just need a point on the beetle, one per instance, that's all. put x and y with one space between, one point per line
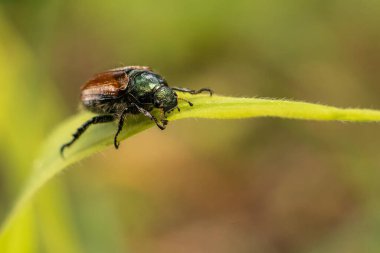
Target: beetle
115 93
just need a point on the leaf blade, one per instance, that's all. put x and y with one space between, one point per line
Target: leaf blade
216 107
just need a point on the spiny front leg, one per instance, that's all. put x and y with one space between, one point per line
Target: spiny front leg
150 116
193 92
83 128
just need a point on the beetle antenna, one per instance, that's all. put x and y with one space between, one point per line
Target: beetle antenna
191 104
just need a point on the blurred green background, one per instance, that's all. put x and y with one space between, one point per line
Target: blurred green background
260 185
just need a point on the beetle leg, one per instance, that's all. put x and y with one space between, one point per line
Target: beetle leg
149 115
193 92
83 128
191 104
165 122
116 143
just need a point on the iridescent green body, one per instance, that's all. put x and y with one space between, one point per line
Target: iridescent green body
151 90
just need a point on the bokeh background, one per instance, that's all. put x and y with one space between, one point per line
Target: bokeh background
258 185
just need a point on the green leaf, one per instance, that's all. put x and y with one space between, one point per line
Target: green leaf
100 136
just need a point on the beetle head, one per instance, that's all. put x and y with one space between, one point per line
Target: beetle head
165 98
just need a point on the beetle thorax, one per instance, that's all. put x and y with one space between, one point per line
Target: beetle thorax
143 86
